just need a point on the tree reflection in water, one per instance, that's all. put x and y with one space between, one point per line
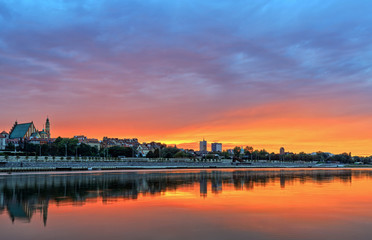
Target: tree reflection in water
23 195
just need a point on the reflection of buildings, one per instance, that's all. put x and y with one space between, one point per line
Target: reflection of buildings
216 182
282 180
21 196
203 184
23 211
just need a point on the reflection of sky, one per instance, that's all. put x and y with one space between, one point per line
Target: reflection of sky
266 72
326 204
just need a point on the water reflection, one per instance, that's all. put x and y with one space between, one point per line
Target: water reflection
21 196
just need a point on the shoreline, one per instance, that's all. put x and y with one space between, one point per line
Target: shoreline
33 166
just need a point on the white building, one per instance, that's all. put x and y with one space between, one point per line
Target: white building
216 147
143 150
3 137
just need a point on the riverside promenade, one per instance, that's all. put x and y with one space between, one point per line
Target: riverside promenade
23 164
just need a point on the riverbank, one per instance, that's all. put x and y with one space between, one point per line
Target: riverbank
21 166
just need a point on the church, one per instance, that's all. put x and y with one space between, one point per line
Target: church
22 131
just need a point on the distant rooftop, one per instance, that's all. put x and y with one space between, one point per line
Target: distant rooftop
20 130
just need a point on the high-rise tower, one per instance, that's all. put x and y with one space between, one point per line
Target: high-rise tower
203 146
47 127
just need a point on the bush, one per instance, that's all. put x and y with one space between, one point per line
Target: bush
180 154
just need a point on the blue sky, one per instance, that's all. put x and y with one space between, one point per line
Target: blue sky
183 59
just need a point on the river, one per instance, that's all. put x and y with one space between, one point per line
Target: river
188 204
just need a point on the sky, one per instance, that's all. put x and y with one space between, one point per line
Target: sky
268 74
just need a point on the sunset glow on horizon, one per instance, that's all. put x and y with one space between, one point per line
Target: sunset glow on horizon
268 74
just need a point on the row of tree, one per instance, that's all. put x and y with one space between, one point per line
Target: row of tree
71 147
60 147
250 154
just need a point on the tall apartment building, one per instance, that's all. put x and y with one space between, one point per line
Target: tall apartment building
203 146
216 147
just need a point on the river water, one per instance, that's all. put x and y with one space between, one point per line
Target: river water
188 204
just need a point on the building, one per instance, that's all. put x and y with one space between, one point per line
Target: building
81 138
88 141
203 146
282 151
47 127
22 131
143 150
28 131
3 140
126 142
216 147
93 142
39 141
5 134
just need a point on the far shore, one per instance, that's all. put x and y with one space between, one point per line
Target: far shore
13 164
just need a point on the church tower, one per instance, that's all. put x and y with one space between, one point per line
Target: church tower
47 127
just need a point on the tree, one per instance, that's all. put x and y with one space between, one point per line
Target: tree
60 145
263 154
9 147
225 154
256 154
210 156
31 148
45 149
85 150
237 151
169 152
157 153
343 158
180 154
150 154
248 150
117 151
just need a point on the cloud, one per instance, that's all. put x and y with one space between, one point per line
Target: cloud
182 63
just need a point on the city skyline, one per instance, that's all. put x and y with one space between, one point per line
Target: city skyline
27 131
264 74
